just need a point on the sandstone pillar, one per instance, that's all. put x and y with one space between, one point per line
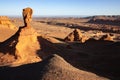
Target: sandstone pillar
27 16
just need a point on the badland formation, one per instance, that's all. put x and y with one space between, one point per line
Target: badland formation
59 48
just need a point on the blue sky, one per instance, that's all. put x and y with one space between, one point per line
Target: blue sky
61 7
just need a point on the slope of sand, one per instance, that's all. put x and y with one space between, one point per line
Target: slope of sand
64 71
48 69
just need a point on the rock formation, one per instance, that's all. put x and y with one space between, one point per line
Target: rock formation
109 20
107 37
76 35
6 23
24 43
27 44
27 16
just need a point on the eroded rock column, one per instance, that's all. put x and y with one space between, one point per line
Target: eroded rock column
27 16
27 45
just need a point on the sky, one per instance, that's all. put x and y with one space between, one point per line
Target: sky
61 7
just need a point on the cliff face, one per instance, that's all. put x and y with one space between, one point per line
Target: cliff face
108 20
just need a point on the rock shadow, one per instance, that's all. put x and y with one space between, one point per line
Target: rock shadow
8 46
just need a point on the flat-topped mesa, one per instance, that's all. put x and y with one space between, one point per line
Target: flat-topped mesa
27 16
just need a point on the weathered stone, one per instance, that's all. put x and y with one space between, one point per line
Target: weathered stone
27 16
6 23
107 37
76 35
24 43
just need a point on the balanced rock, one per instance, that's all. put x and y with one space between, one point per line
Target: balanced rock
24 43
27 45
